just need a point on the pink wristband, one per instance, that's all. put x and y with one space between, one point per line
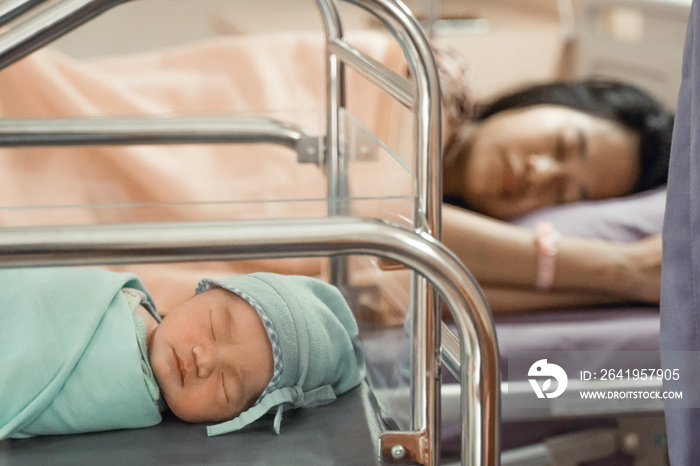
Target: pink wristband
547 248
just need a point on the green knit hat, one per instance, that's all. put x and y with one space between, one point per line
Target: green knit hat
314 341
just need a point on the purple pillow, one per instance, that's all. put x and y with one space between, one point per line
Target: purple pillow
621 219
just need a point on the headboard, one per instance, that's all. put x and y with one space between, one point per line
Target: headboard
640 41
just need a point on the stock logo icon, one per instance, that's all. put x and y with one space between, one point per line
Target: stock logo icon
542 369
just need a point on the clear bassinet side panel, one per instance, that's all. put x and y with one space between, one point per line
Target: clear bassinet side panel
87 182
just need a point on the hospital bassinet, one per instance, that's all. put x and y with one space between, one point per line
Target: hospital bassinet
351 430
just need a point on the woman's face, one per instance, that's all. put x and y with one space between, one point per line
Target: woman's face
212 357
525 159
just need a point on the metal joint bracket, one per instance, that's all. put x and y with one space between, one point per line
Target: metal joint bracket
405 447
310 150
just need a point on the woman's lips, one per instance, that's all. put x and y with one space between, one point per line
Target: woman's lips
180 367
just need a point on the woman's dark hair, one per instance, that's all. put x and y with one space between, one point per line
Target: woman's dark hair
620 102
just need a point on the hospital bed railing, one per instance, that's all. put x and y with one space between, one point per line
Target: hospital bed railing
472 353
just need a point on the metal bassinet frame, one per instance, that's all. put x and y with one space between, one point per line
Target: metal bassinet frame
31 24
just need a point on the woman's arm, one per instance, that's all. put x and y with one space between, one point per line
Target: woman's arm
520 300
501 255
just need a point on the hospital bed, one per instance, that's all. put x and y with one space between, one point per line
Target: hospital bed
639 41
350 431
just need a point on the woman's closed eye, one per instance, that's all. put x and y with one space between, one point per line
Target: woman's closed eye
570 142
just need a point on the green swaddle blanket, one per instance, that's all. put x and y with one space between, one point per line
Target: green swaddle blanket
71 360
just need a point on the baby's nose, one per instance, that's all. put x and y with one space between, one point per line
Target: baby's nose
204 361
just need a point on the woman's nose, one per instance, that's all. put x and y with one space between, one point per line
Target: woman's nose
204 359
543 169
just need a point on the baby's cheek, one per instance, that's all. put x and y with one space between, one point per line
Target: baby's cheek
186 407
199 401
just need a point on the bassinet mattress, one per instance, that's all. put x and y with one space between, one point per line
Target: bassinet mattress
343 432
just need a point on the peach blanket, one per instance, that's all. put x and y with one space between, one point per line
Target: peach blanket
277 73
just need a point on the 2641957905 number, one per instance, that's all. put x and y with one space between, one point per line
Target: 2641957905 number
639 374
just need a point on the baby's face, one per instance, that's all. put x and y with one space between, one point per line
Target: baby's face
212 357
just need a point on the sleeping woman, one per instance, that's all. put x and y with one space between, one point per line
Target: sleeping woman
547 145
542 146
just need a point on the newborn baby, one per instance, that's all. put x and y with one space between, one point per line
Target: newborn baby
249 343
87 348
211 356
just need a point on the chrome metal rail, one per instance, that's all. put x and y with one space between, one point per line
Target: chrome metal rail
480 434
11 9
207 241
170 130
44 22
